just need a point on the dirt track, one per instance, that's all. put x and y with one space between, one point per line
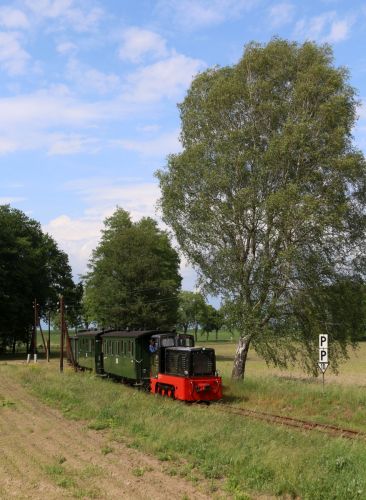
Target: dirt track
43 455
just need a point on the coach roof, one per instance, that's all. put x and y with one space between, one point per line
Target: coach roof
130 333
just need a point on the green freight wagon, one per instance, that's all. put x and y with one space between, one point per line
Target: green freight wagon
89 353
126 354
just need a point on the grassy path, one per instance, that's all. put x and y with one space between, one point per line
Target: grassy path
44 455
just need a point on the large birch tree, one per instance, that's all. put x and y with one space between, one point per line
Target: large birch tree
267 199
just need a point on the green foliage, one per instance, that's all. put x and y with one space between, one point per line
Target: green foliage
31 266
267 198
133 279
211 319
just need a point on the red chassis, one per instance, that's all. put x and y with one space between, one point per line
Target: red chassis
187 388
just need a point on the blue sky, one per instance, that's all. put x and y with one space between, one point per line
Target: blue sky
88 94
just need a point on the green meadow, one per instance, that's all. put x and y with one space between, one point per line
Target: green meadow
230 455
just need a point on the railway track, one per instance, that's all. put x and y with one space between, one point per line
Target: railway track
332 430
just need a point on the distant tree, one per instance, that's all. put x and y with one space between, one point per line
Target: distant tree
31 266
133 278
211 319
268 197
218 321
190 307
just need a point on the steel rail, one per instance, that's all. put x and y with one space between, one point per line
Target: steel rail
330 429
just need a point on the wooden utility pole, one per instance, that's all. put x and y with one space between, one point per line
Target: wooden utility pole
49 334
62 328
70 354
35 351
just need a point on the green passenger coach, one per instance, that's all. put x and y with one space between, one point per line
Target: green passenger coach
126 355
88 349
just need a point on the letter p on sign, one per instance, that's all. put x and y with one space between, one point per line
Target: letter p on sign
323 348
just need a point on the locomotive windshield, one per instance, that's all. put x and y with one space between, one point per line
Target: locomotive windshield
203 362
184 340
167 342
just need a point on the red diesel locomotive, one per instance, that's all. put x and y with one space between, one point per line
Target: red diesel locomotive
181 371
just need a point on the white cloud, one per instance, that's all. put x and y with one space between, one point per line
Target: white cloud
47 108
52 120
339 31
326 28
148 128
66 48
13 58
12 18
138 199
64 228
79 236
281 14
193 14
90 79
49 8
68 145
70 13
9 200
159 146
138 43
7 146
163 79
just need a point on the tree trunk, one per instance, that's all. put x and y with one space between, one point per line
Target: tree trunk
217 334
195 331
240 358
185 327
207 335
13 346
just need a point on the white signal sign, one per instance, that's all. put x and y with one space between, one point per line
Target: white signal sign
323 348
323 353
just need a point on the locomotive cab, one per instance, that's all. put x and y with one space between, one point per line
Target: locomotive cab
164 340
161 342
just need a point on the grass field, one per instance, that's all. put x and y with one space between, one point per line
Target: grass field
241 457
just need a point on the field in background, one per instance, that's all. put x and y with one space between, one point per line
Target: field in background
352 372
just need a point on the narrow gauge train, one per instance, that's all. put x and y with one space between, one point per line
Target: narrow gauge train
175 368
